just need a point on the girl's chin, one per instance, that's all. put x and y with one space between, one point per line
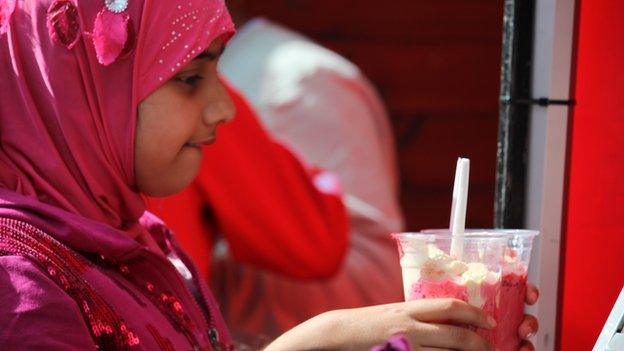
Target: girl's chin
171 182
165 189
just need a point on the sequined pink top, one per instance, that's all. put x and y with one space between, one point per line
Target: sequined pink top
55 297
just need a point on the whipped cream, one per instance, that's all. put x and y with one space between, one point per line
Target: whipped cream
429 263
476 275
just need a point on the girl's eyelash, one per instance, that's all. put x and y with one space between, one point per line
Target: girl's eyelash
190 80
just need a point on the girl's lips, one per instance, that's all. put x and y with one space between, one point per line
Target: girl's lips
198 144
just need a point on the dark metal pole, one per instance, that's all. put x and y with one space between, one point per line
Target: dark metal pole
513 127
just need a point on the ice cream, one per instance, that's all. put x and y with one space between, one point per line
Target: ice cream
429 272
440 274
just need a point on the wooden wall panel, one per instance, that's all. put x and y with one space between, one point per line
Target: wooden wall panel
437 65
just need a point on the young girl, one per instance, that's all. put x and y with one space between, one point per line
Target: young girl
102 101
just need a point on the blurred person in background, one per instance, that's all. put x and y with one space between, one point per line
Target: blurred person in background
320 105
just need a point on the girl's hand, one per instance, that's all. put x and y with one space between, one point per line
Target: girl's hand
420 321
529 326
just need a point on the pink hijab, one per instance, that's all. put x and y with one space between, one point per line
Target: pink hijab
72 73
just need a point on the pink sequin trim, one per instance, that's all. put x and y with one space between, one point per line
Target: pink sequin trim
67 268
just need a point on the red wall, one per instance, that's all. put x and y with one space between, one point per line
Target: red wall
594 239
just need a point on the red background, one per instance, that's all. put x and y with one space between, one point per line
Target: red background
437 66
594 239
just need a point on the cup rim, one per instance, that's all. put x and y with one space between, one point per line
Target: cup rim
469 233
488 231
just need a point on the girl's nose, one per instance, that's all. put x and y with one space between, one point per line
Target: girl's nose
221 107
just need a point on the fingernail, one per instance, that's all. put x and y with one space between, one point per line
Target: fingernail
534 295
491 321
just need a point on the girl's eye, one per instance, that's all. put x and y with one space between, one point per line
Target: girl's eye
190 80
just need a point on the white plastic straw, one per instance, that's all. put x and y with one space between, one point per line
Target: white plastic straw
458 209
455 189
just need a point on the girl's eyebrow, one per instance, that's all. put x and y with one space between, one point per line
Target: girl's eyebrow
208 55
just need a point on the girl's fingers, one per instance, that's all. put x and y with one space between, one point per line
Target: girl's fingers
532 294
442 336
451 310
528 327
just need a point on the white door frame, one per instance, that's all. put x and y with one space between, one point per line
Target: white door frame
552 67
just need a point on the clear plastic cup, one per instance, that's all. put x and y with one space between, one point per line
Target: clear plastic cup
491 274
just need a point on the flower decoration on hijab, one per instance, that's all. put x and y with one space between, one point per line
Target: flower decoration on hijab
63 23
113 34
116 6
6 10
113 31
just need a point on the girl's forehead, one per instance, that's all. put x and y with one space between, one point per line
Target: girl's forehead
177 34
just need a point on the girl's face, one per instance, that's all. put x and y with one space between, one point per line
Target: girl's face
176 121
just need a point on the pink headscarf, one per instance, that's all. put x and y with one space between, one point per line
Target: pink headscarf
72 73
